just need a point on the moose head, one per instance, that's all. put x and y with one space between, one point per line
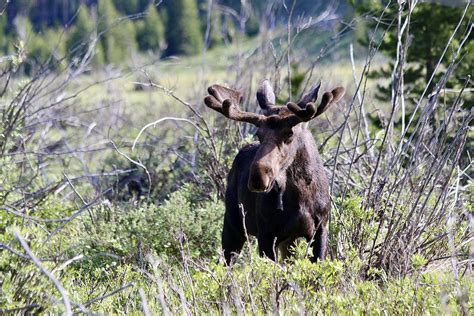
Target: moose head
279 128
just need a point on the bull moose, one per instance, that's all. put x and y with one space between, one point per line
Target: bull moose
277 189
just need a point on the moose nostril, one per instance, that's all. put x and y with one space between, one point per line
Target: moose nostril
260 178
266 170
255 179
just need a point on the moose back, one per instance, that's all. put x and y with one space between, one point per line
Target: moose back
277 189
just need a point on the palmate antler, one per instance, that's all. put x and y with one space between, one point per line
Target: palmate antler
309 111
226 101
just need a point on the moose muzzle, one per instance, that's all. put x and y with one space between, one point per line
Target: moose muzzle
260 178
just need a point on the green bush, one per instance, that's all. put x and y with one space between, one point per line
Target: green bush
164 229
253 285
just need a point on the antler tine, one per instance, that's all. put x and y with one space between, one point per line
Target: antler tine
212 103
224 101
300 114
310 111
232 111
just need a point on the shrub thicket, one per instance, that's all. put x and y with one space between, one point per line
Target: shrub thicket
123 249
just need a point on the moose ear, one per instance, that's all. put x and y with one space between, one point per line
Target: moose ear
311 96
329 98
265 95
221 93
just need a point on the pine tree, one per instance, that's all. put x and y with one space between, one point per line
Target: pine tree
3 34
45 49
252 27
150 31
117 36
183 29
131 6
215 36
78 39
431 26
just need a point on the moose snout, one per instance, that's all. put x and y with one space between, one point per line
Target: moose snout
260 178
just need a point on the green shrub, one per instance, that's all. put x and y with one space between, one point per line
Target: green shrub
170 251
179 222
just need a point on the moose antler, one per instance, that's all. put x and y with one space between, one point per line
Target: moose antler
300 114
309 111
329 98
225 101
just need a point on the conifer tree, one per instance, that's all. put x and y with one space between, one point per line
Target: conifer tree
132 6
3 33
252 27
117 35
150 31
183 28
215 36
78 39
431 26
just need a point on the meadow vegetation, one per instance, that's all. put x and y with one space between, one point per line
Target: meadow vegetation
113 171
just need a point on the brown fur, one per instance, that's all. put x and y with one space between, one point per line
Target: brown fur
276 187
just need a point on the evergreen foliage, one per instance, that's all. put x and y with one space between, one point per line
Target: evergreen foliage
431 26
117 35
3 33
45 50
150 31
78 40
52 13
120 31
183 30
252 27
132 6
215 36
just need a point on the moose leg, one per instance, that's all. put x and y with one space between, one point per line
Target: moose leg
233 240
266 246
320 242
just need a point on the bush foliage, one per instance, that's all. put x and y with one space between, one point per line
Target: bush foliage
137 247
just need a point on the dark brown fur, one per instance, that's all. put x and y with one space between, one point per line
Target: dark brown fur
277 187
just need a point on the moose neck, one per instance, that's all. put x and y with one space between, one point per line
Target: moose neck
301 172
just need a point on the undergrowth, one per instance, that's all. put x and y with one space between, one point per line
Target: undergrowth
118 259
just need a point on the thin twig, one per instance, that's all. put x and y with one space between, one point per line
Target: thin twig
57 284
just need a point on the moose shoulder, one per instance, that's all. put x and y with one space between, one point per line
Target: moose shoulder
278 186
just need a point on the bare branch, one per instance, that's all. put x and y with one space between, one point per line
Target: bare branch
51 277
